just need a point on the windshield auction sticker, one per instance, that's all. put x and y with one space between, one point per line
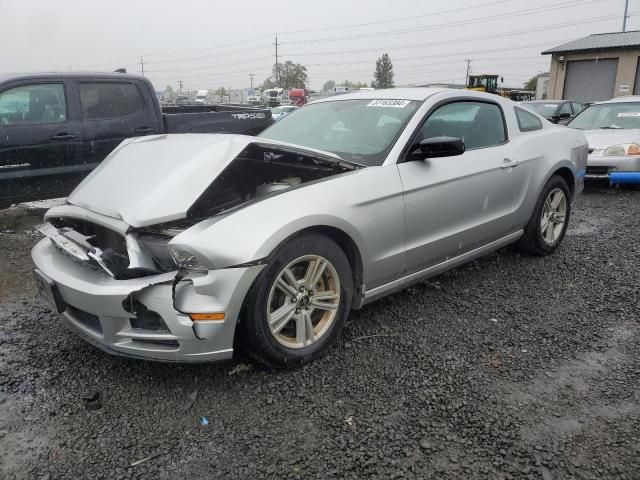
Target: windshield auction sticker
389 103
628 114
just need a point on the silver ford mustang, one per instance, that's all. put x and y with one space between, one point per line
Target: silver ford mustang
184 247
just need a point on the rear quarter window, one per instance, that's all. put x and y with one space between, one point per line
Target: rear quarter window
527 122
108 100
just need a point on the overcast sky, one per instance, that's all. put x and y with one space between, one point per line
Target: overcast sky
208 44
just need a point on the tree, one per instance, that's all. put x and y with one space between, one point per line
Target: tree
354 85
532 83
329 86
268 83
169 94
383 76
290 75
221 91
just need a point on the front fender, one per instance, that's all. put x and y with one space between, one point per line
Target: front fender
367 205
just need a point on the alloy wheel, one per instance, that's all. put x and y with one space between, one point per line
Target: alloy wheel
554 215
303 301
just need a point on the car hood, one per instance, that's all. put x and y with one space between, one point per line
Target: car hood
600 139
156 179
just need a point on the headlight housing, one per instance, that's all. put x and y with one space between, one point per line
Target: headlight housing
186 260
622 150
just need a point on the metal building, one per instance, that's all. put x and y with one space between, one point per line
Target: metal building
597 67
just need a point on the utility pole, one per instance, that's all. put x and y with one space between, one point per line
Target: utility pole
626 11
180 85
276 44
251 75
142 65
466 78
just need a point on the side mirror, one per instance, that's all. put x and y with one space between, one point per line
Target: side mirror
564 115
437 147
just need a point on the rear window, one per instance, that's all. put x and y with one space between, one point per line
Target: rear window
107 100
527 122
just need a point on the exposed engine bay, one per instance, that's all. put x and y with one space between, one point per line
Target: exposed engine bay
261 170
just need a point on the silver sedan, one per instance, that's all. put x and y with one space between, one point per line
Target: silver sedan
612 129
184 247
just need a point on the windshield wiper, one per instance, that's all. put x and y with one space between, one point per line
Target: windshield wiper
610 128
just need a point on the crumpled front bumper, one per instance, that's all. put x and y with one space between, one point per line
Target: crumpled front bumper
95 308
615 169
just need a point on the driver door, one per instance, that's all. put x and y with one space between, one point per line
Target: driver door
456 204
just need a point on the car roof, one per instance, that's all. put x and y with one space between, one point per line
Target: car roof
414 93
417 93
628 98
59 75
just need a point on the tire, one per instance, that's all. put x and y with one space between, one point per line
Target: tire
539 241
280 330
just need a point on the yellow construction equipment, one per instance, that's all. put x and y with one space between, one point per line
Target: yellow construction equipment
484 83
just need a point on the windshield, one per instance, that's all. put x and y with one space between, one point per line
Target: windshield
361 131
608 115
542 109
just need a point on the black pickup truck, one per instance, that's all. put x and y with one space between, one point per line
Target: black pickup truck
55 128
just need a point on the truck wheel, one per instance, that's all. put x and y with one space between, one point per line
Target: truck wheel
299 303
550 219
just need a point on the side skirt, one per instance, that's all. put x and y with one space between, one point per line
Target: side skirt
399 284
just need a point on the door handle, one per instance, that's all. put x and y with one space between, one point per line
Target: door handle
508 163
145 129
62 136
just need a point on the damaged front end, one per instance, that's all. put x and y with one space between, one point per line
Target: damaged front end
125 287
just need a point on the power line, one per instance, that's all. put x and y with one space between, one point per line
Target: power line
217 47
462 40
470 39
508 15
400 19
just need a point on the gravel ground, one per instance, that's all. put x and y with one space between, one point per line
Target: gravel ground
509 367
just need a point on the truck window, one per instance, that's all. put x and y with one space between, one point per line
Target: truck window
33 104
107 100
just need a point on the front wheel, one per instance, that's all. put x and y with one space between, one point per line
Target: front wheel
548 223
299 303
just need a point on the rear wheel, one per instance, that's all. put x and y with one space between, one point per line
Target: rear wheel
548 223
299 303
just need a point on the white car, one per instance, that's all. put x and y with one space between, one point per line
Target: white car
255 98
612 129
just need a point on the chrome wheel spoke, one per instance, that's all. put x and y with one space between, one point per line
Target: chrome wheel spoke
305 333
314 272
323 305
279 318
326 295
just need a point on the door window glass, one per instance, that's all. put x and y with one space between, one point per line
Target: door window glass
577 107
564 108
478 124
107 100
527 121
33 104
